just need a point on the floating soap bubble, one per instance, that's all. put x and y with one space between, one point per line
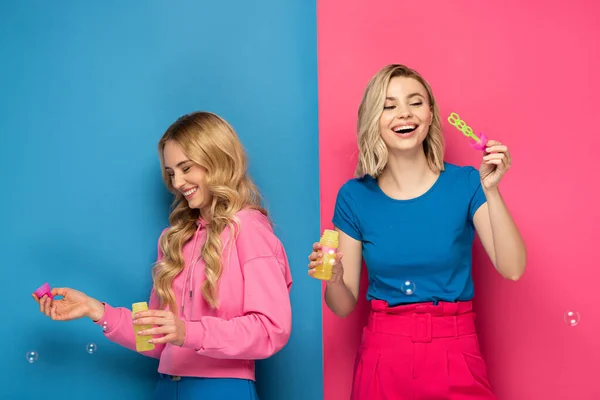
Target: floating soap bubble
91 348
31 357
572 318
408 287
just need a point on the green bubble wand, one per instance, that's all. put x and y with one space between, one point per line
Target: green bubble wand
479 142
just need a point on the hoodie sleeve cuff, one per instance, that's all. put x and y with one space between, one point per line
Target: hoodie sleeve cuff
194 335
110 319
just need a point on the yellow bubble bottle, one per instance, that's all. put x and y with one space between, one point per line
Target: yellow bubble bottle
329 245
141 342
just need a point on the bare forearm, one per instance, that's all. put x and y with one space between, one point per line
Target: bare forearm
339 299
95 309
509 248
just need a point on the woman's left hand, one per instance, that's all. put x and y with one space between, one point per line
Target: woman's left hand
169 325
496 161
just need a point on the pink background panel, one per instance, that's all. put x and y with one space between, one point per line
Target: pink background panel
525 73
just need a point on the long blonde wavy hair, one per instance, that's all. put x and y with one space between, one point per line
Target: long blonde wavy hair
372 151
210 142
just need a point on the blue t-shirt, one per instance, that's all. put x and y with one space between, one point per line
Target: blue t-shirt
422 244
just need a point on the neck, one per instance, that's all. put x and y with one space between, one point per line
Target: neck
205 214
406 174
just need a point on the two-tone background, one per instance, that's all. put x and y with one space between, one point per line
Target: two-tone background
87 89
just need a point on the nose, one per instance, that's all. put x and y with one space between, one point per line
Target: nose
177 181
403 111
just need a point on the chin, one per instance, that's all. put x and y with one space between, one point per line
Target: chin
192 204
406 146
196 204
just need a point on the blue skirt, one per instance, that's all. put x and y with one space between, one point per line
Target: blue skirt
187 388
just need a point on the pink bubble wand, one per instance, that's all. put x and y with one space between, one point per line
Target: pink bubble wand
479 142
45 289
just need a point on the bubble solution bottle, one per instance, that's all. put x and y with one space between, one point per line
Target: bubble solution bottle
141 342
329 245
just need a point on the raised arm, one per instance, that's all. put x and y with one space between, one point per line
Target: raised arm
494 224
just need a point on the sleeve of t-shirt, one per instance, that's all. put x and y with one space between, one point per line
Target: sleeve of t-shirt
476 193
344 215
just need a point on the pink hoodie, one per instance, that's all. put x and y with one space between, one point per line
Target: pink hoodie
254 317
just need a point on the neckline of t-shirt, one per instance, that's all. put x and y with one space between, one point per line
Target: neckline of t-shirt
420 197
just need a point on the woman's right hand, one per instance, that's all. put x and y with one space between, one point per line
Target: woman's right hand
337 270
73 305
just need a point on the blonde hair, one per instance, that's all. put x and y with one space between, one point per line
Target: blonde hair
210 142
372 151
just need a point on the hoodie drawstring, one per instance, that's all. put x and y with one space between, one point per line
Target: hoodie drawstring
190 273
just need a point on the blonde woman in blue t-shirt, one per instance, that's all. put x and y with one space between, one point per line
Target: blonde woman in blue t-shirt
412 217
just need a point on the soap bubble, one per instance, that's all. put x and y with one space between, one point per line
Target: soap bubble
31 356
572 318
408 287
91 348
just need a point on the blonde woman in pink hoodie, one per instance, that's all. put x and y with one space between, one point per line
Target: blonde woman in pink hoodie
220 298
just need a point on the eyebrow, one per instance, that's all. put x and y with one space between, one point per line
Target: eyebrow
409 96
179 164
